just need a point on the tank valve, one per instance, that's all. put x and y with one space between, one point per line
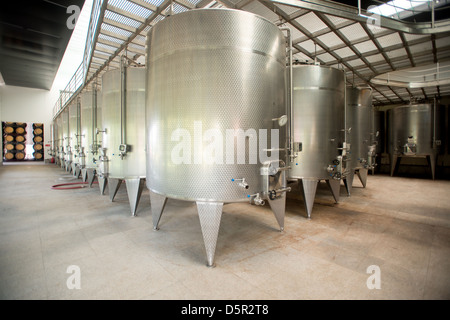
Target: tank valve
258 200
242 183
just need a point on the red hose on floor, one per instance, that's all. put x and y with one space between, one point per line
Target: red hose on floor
57 186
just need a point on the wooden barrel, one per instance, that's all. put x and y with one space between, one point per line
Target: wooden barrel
37 146
9 155
20 138
20 155
37 139
37 155
9 123
21 124
37 125
20 130
10 146
38 131
20 146
9 138
8 129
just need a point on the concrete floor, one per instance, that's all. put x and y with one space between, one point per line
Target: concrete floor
401 225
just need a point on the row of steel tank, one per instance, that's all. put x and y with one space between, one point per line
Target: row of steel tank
216 117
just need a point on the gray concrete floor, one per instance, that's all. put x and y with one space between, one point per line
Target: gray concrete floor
401 225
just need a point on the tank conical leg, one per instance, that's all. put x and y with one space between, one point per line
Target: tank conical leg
134 191
84 174
309 193
158 202
362 175
335 186
210 214
432 161
278 207
348 182
74 169
90 176
393 164
77 171
102 182
113 187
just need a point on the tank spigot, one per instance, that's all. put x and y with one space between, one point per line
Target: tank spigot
258 200
242 183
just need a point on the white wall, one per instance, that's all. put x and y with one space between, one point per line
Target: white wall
19 104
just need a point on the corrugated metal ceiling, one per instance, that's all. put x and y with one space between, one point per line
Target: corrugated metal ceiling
363 50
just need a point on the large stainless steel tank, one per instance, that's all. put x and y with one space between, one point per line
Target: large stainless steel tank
360 137
318 124
59 141
214 74
413 131
67 153
88 155
74 136
122 155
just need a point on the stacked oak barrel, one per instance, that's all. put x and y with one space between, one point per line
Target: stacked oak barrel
14 136
38 141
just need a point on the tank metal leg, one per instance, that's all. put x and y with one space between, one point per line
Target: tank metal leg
73 169
102 182
77 171
362 175
432 161
134 191
393 164
278 207
113 187
84 174
309 193
90 176
210 214
158 202
348 182
335 186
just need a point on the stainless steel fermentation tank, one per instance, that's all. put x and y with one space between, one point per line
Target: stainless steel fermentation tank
122 155
58 140
413 131
361 147
90 112
318 129
67 152
215 78
74 136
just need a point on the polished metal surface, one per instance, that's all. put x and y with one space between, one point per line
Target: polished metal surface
128 129
318 120
67 154
74 133
413 131
88 139
211 71
414 124
359 114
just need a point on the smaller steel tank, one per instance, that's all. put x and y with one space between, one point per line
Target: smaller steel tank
122 154
89 144
74 136
318 129
67 148
360 137
413 131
